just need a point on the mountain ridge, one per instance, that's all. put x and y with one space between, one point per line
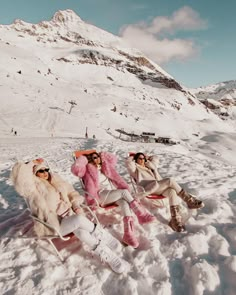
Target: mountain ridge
43 71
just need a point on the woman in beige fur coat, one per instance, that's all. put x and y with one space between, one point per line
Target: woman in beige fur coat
55 201
144 170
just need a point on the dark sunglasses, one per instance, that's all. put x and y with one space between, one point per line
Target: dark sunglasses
141 158
95 157
43 170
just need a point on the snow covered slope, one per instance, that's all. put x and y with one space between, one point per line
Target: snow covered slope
45 66
219 91
44 69
200 261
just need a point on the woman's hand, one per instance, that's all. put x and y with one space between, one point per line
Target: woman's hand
77 210
62 208
148 164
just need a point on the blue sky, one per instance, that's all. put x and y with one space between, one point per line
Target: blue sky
193 40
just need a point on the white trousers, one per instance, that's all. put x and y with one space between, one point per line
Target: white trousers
82 228
167 187
120 196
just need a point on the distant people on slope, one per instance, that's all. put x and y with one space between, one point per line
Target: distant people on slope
14 132
144 170
55 201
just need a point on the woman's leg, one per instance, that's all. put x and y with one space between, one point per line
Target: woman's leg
125 208
81 226
88 233
122 198
170 193
192 202
176 219
124 195
158 187
112 196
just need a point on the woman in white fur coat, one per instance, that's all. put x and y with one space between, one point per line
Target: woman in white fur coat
56 202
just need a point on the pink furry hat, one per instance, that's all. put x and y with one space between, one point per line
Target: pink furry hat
42 165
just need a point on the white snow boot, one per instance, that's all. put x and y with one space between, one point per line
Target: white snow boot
102 235
117 264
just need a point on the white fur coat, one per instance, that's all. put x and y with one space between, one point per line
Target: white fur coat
42 196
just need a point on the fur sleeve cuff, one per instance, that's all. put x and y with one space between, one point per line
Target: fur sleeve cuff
79 166
109 158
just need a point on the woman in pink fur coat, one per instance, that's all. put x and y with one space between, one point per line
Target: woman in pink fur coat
105 186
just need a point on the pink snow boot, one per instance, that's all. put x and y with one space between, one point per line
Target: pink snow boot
142 214
129 235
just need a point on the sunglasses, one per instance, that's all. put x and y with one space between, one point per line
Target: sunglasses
95 157
43 170
141 158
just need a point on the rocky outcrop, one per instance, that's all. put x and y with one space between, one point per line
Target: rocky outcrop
64 27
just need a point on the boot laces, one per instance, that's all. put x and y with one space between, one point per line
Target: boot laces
194 201
101 235
110 258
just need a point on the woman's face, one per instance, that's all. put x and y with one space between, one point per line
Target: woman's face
141 160
43 173
95 159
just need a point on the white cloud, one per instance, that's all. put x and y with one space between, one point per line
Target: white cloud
183 19
152 38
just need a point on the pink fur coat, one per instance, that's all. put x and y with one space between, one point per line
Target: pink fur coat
89 174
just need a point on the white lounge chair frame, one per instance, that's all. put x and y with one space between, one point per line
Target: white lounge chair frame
58 235
158 202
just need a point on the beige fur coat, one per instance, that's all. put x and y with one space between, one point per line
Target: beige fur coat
144 175
44 197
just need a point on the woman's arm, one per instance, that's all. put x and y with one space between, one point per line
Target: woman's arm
153 163
23 178
108 158
154 160
79 166
25 184
131 165
68 194
76 200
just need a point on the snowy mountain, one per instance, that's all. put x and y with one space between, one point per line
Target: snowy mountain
220 97
47 66
219 91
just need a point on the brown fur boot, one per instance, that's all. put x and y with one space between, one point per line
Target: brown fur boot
176 219
192 202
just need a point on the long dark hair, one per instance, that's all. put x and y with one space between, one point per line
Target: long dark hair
90 157
136 156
